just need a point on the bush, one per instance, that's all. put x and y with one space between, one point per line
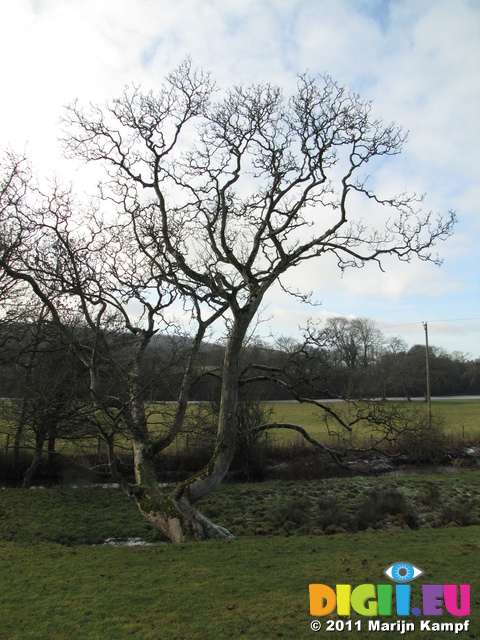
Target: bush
376 506
333 515
295 511
462 513
424 443
250 458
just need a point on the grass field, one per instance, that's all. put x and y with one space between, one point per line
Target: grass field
460 418
244 588
59 582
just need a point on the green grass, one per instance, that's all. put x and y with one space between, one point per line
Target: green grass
348 504
70 516
244 588
454 414
280 508
461 418
58 582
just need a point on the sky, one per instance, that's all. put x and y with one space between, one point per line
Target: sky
417 60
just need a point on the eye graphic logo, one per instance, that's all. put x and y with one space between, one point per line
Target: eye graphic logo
403 572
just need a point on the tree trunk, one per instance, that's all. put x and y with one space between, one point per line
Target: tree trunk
112 464
18 439
173 513
29 373
215 471
37 455
52 439
176 518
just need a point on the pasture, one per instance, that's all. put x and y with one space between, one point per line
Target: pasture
60 581
458 417
67 572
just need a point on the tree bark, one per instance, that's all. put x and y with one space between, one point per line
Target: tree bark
175 518
18 439
37 455
215 471
173 513
29 373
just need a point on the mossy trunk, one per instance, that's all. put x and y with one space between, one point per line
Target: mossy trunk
175 518
217 468
174 514
178 520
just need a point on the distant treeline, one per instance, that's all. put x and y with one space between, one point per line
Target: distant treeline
51 395
342 358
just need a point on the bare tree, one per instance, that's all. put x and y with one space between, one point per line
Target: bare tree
340 334
264 187
356 425
231 193
103 274
370 339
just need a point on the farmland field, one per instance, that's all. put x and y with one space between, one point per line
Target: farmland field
59 581
454 415
460 418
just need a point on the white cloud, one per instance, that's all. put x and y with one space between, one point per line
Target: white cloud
418 61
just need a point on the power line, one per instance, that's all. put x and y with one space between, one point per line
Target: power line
455 320
406 324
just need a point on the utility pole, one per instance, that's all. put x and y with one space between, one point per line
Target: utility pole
425 326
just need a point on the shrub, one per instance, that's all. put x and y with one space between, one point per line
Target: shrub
424 443
332 515
376 506
294 511
460 512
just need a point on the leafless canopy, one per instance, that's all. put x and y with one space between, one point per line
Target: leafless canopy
208 196
240 185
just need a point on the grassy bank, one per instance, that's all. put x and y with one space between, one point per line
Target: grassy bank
244 588
278 508
59 581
